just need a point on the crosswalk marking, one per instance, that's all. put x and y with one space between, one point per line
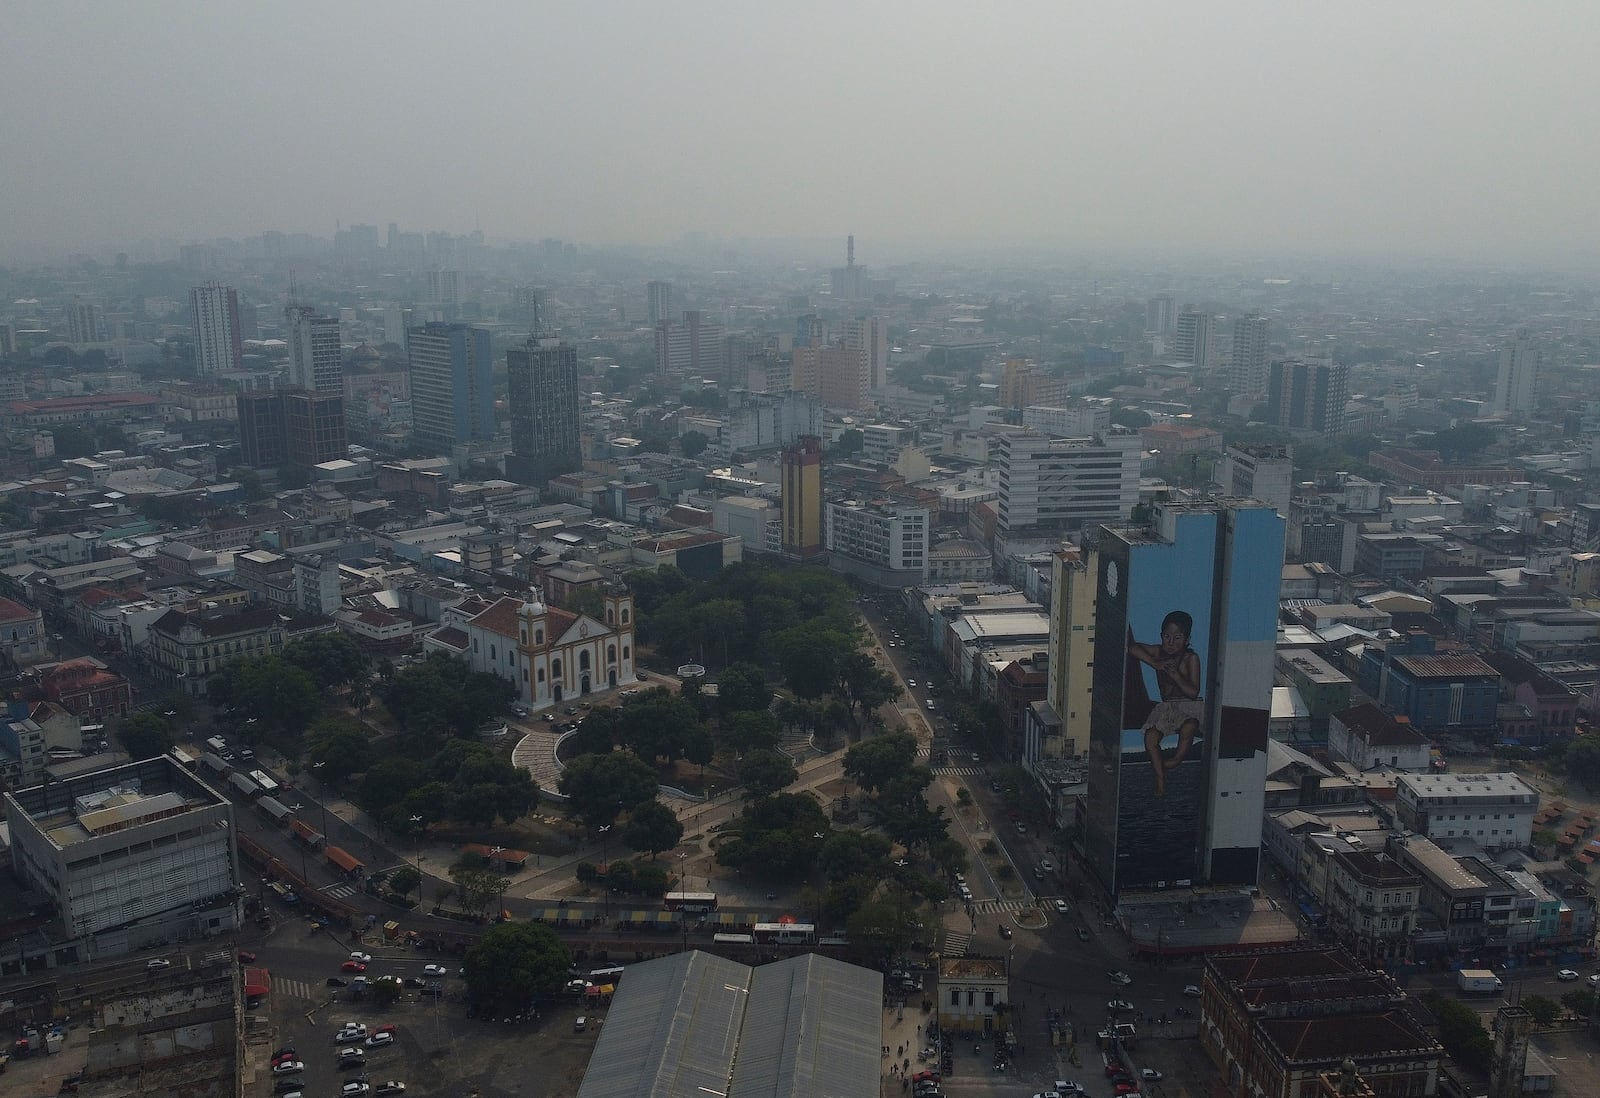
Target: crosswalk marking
338 891
293 989
955 943
958 771
991 907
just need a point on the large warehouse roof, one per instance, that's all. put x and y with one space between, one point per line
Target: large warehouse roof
694 1024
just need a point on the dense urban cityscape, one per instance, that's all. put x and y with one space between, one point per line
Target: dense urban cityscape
1073 570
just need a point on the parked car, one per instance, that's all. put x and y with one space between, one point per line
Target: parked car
337 981
364 958
393 1086
1150 1075
380 1040
1117 976
285 1053
288 1067
350 1031
1119 1006
246 957
434 970
1191 990
353 966
1566 974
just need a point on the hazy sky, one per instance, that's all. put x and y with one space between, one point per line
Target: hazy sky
1435 127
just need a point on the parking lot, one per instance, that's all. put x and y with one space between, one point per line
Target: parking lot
435 1048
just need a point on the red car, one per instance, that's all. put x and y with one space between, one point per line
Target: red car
1124 1089
1114 1068
246 957
352 966
925 1076
387 1027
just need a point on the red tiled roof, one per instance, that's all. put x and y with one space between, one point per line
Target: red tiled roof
1334 1037
11 610
501 617
452 637
94 596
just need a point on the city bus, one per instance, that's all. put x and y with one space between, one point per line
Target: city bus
691 901
786 933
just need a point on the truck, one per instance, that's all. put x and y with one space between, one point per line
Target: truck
1478 981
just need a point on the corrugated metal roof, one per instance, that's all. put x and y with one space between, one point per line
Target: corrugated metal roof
812 1030
695 1024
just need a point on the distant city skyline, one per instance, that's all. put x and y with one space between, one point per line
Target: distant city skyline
1423 129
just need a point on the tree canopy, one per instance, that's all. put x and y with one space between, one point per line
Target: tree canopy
277 693
765 772
464 782
144 736
652 827
331 659
444 695
513 965
777 837
599 788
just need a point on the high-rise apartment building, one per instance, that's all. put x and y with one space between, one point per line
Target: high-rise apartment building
1075 572
882 542
314 427
658 297
1191 340
291 427
1259 472
870 334
315 358
1186 624
1308 396
218 339
1516 385
1247 362
1158 314
542 380
85 323
800 487
1058 485
444 287
452 385
838 376
694 346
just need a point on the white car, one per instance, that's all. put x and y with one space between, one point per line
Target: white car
1594 981
1061 906
434 970
1149 1075
393 1086
1566 974
1191 990
350 1090
1067 1086
361 958
380 1040
350 1031
911 683
157 964
288 1067
1046 865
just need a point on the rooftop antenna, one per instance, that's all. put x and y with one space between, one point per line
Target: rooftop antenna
294 293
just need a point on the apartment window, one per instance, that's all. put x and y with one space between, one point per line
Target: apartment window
988 998
955 996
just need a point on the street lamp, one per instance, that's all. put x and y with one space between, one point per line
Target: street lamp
416 826
304 880
605 865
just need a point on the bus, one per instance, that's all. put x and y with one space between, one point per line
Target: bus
733 939
602 976
786 933
184 758
217 745
691 901
269 787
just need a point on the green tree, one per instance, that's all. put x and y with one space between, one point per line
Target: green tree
864 685
338 748
777 837
443 694
599 787
874 763
692 443
404 879
1545 1010
385 991
885 925
809 656
513 964
847 854
850 442
653 827
764 772
742 687
269 688
144 736
331 659
478 887
1461 1031
1579 1000
755 731
719 623
1583 761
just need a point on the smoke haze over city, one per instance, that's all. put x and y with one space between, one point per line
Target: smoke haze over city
1417 130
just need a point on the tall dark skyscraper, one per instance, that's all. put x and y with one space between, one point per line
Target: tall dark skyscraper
291 427
542 384
1308 396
